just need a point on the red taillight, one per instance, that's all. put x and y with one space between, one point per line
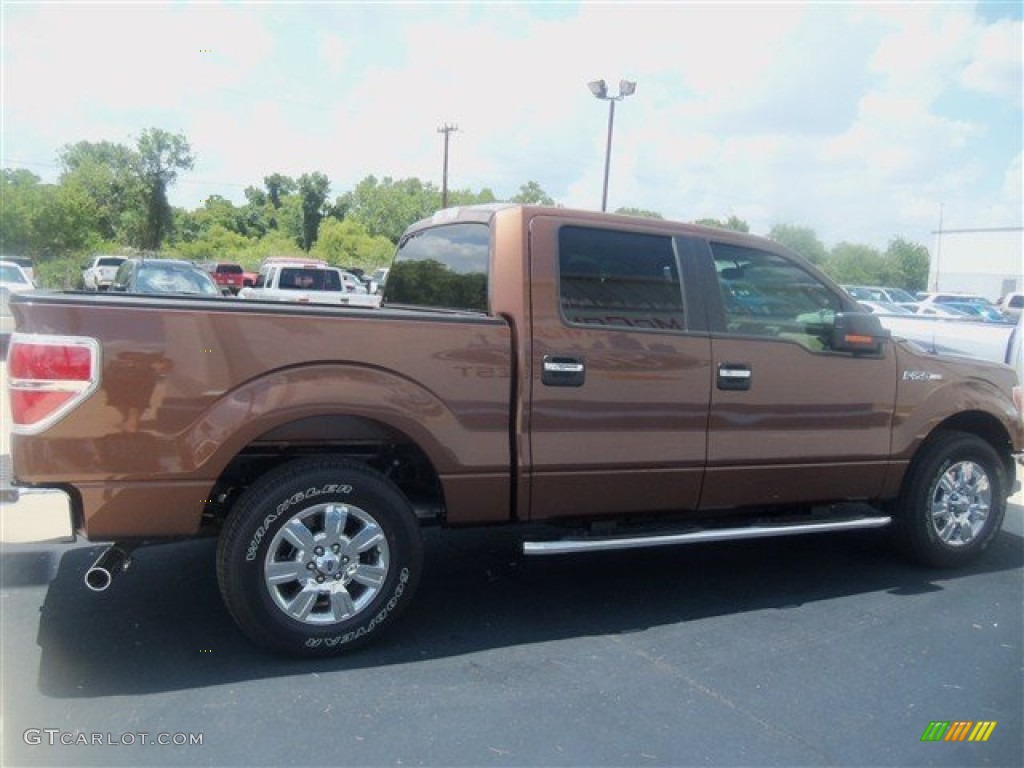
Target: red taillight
50 362
48 376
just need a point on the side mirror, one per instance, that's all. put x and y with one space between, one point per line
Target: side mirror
859 333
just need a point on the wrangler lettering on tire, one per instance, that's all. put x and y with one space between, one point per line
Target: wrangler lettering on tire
318 557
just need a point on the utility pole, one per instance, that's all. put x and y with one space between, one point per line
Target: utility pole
938 249
446 130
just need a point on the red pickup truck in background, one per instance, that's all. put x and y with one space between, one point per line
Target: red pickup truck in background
230 276
594 381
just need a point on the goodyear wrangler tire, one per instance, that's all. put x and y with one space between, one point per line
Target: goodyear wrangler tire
318 557
953 501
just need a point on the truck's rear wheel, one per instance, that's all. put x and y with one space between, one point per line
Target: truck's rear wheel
953 501
318 557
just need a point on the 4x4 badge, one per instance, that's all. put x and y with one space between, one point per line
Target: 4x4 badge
921 376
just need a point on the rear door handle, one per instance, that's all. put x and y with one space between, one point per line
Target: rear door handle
563 371
734 377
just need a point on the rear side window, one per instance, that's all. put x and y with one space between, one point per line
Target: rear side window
444 267
626 279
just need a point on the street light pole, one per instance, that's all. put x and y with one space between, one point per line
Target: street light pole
608 153
600 90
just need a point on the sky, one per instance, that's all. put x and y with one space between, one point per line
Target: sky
863 121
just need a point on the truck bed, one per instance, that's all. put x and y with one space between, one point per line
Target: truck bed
186 384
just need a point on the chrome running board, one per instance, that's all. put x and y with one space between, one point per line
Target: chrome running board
601 544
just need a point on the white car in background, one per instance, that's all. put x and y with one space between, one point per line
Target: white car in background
13 279
308 282
1011 305
24 263
1015 357
934 303
99 273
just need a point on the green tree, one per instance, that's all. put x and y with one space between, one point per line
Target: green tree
63 223
907 265
313 189
531 193
160 156
21 194
348 244
802 240
278 186
469 197
108 174
274 243
258 213
288 218
627 211
734 223
219 210
854 264
387 207
44 220
215 243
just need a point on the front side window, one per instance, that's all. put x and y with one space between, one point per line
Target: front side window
443 267
764 294
621 279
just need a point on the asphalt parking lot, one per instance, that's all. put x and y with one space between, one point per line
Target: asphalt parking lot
824 650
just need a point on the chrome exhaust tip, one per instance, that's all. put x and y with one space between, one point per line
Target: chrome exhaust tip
114 560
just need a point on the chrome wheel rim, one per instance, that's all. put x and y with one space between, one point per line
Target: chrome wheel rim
960 503
326 564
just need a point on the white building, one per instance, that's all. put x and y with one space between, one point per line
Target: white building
989 262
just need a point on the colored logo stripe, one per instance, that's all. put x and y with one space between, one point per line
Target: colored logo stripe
982 731
958 730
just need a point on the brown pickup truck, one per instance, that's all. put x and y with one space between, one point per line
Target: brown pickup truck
599 381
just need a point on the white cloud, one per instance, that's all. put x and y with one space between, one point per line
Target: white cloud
856 120
995 68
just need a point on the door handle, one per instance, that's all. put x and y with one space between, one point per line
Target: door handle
734 377
562 371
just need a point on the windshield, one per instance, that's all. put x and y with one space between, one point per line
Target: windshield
165 279
899 295
11 274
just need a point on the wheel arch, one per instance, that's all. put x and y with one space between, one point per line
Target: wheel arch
366 413
983 425
354 438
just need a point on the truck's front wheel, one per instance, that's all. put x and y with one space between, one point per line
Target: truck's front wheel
953 501
318 557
